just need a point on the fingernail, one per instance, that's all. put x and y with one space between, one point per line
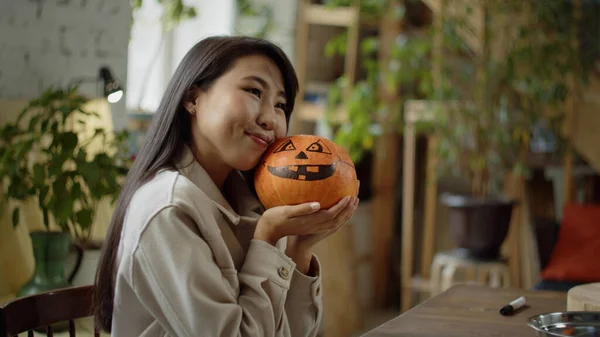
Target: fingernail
315 206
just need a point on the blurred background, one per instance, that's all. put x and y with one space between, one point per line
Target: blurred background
474 126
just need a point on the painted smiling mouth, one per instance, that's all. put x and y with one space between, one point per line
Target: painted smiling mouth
303 172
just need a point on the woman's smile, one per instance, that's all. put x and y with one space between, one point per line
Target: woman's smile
261 140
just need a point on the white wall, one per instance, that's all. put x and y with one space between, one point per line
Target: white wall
45 43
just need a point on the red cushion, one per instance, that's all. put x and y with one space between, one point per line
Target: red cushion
575 255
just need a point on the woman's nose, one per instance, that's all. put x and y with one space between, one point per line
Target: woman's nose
266 118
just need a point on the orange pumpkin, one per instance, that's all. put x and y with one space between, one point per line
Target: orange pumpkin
305 168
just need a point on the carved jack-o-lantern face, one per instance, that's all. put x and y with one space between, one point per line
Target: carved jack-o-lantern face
319 165
305 168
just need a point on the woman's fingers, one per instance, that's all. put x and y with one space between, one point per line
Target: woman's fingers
350 212
333 211
345 215
309 219
301 209
332 222
322 215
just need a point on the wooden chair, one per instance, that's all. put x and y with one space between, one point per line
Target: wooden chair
45 309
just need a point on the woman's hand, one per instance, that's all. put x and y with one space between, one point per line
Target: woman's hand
299 247
304 225
305 242
305 220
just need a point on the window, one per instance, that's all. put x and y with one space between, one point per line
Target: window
154 54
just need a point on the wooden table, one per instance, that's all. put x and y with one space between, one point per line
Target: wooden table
471 310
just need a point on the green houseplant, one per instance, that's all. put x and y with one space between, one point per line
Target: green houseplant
492 93
43 157
521 74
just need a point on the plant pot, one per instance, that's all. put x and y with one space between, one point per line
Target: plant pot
478 225
50 252
88 263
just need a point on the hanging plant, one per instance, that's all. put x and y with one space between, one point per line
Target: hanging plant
265 13
174 12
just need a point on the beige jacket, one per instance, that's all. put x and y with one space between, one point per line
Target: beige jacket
188 265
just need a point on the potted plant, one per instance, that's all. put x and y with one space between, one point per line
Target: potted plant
517 79
491 96
44 157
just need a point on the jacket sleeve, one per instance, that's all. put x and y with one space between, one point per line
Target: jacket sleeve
303 305
175 276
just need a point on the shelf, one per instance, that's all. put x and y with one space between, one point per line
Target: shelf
309 111
322 15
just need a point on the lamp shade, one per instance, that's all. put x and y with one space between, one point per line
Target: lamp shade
112 88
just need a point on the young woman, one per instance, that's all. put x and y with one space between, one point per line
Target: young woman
190 250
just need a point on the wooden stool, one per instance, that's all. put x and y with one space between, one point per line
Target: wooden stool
494 273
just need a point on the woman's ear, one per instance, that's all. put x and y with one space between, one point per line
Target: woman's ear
190 107
189 101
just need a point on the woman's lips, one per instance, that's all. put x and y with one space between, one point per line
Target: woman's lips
258 141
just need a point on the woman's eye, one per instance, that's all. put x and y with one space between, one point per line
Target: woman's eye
281 106
255 92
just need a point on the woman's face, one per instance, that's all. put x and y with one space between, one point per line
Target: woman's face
240 115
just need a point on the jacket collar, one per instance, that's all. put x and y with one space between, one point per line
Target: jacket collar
242 202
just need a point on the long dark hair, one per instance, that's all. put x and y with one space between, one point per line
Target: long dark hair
170 130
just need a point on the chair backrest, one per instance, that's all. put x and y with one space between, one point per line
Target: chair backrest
43 310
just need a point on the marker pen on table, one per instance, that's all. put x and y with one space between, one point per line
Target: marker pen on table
513 306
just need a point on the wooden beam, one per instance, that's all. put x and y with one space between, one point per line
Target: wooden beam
571 111
432 145
341 16
430 207
385 163
408 203
415 111
301 51
351 52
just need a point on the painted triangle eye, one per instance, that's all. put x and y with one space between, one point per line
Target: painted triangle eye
287 146
318 147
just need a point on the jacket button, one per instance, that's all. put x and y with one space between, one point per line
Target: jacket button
284 273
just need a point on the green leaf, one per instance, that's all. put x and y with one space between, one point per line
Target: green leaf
43 194
63 210
337 45
59 187
76 191
39 174
46 218
15 217
33 122
85 218
90 173
69 141
369 45
81 155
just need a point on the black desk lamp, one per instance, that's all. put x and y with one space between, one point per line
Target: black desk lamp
112 90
